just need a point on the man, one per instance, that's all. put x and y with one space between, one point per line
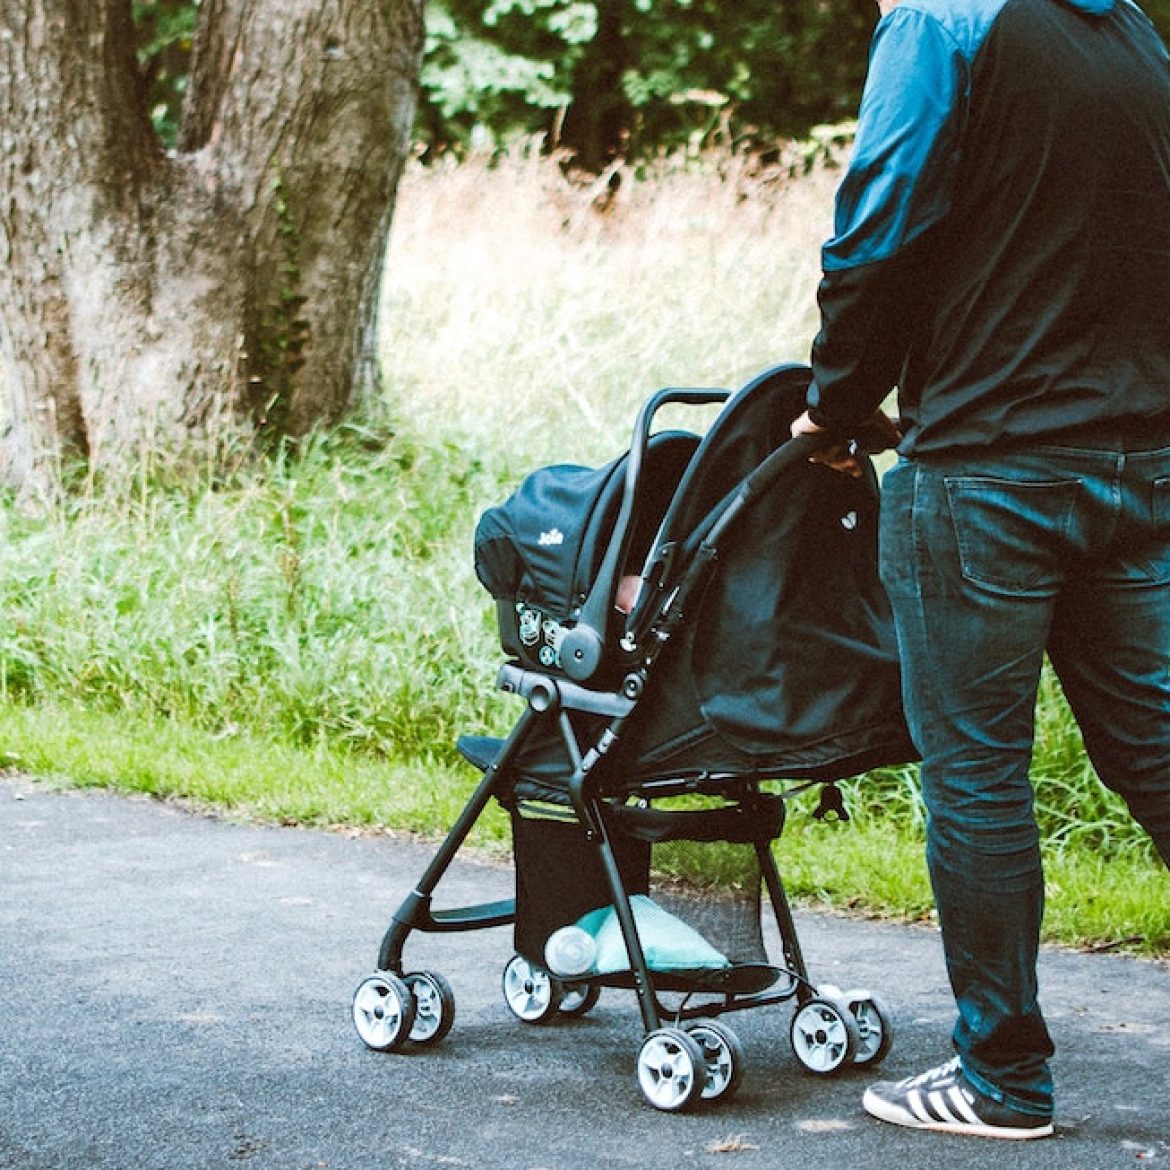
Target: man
1002 255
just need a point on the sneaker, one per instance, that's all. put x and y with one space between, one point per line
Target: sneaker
943 1099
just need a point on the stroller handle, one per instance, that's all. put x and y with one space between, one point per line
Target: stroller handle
795 450
584 645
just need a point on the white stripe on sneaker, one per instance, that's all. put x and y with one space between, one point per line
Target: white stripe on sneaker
963 1106
941 1112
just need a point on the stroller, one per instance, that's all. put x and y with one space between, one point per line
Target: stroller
647 776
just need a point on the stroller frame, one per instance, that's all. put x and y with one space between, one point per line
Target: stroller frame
687 1055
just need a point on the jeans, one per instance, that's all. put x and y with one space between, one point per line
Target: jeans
988 564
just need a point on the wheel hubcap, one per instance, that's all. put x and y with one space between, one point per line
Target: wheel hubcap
377 1013
666 1072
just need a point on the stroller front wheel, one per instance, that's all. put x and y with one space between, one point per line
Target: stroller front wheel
383 1011
434 1006
577 999
533 996
671 1070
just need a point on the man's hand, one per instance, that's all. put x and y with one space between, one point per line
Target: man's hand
879 432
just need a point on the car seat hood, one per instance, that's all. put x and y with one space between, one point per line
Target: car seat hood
1093 7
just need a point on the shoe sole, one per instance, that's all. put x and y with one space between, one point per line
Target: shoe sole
884 1110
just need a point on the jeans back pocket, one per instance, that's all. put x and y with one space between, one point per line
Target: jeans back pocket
1148 556
1012 535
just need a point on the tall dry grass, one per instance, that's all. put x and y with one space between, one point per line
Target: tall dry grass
529 312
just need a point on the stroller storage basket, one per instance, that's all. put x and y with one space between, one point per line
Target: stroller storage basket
559 877
692 874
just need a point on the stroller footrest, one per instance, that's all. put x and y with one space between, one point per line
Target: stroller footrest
479 917
741 979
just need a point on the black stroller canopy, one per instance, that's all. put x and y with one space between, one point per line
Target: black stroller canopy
753 424
784 663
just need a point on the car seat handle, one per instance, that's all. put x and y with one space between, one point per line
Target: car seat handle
583 646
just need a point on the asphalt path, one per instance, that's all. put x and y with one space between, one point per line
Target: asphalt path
175 993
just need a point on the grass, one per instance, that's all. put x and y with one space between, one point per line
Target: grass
242 774
551 311
302 640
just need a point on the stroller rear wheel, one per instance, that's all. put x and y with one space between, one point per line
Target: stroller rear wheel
722 1056
383 1011
531 993
671 1070
874 1026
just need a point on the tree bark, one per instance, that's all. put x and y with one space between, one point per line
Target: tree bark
600 118
162 302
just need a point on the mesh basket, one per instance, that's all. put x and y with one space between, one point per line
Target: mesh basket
713 888
693 877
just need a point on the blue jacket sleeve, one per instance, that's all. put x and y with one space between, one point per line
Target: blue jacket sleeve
890 206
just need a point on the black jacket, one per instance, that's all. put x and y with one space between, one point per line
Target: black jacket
1002 238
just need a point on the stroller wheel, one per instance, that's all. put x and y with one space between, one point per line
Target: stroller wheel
578 998
530 992
824 1036
383 1012
434 1006
874 1026
722 1056
671 1070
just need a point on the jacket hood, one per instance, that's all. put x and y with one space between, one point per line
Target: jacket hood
1093 7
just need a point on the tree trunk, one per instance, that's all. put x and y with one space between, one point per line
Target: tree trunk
600 118
153 301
